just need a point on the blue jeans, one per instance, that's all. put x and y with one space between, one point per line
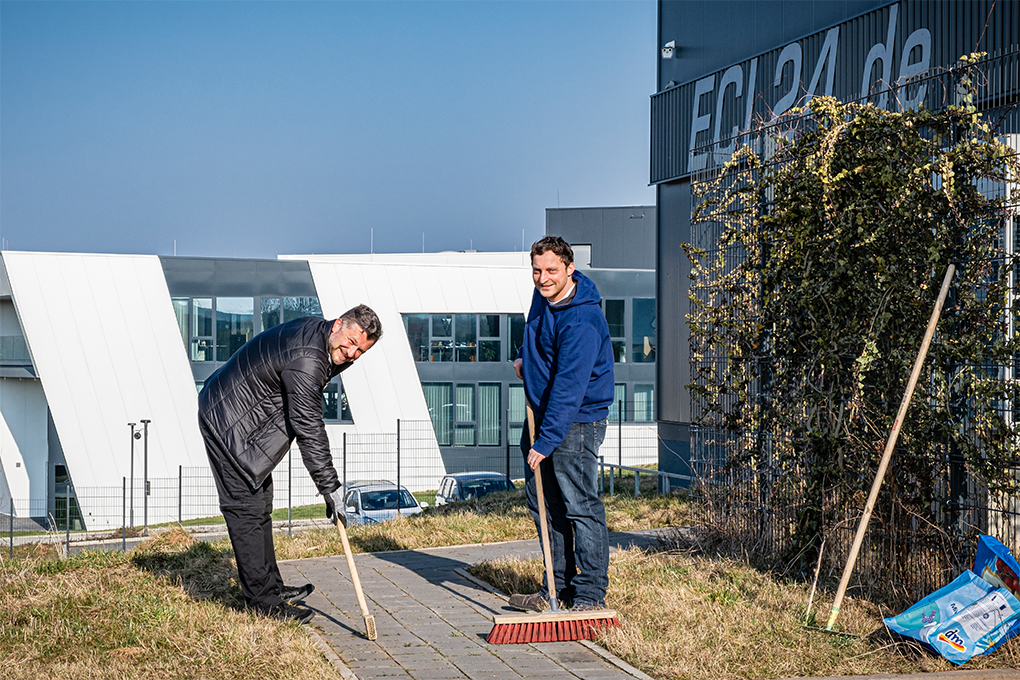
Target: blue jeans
578 534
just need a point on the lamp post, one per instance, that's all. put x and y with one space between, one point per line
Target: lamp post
134 436
145 473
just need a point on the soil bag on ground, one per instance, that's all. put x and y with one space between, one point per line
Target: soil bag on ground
974 614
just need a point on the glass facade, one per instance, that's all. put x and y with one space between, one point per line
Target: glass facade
235 324
202 329
644 403
515 335
334 403
643 330
455 337
465 414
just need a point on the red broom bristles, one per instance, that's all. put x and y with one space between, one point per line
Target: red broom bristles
549 631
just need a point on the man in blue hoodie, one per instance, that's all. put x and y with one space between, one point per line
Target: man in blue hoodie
566 363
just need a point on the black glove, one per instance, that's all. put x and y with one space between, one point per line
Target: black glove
336 511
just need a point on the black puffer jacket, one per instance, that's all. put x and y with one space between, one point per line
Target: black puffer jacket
269 394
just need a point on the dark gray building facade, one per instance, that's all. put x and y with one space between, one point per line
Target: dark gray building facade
727 67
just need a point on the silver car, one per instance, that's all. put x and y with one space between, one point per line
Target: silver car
377 501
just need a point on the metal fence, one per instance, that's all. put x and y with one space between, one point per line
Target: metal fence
908 550
408 457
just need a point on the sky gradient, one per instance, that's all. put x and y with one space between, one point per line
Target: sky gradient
251 129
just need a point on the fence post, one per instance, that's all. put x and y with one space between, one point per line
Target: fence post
399 513
508 442
132 506
180 494
344 454
612 487
67 520
145 473
290 496
637 483
12 526
619 430
123 514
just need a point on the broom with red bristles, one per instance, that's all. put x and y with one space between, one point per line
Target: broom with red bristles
555 625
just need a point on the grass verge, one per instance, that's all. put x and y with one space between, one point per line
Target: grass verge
688 615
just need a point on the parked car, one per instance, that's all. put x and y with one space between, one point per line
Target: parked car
374 501
464 485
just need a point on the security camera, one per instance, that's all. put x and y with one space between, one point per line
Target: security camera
138 435
667 49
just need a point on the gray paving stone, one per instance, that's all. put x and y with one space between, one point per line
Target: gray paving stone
432 621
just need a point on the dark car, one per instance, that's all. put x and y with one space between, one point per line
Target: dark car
464 485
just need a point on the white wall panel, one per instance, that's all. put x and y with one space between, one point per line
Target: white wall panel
105 343
23 447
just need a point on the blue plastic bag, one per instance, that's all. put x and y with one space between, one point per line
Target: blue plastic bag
974 614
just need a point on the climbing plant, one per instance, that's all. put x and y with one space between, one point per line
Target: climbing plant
808 311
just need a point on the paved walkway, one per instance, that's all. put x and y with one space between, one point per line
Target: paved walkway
432 618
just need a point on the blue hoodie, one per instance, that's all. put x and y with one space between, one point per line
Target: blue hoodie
567 363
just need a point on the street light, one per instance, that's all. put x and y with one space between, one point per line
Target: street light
145 472
134 436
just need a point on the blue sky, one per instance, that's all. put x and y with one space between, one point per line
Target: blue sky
250 129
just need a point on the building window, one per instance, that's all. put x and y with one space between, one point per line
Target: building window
643 330
202 329
619 400
334 403
235 324
442 338
277 310
614 310
271 309
181 312
490 429
454 337
214 329
297 307
488 338
516 415
465 414
466 427
467 336
515 335
644 403
417 328
439 399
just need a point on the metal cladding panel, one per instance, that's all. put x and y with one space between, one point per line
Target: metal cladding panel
695 124
106 346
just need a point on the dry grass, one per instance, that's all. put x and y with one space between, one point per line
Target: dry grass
692 616
491 519
166 611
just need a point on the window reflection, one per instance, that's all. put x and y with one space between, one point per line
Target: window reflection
235 324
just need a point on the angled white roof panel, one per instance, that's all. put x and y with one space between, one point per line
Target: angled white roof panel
105 343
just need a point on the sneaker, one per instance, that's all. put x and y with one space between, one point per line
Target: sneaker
535 602
287 612
292 594
585 606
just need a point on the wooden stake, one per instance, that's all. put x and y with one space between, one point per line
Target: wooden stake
889 446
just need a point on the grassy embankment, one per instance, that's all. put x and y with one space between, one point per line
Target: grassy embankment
170 608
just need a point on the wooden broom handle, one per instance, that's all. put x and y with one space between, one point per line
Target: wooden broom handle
542 521
889 445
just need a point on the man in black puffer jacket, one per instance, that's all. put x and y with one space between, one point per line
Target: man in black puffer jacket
249 411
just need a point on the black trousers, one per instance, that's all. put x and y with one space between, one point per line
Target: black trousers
250 525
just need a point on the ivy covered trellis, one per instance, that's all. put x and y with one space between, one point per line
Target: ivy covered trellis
808 304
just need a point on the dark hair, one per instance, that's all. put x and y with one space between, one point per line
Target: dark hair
556 245
366 318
